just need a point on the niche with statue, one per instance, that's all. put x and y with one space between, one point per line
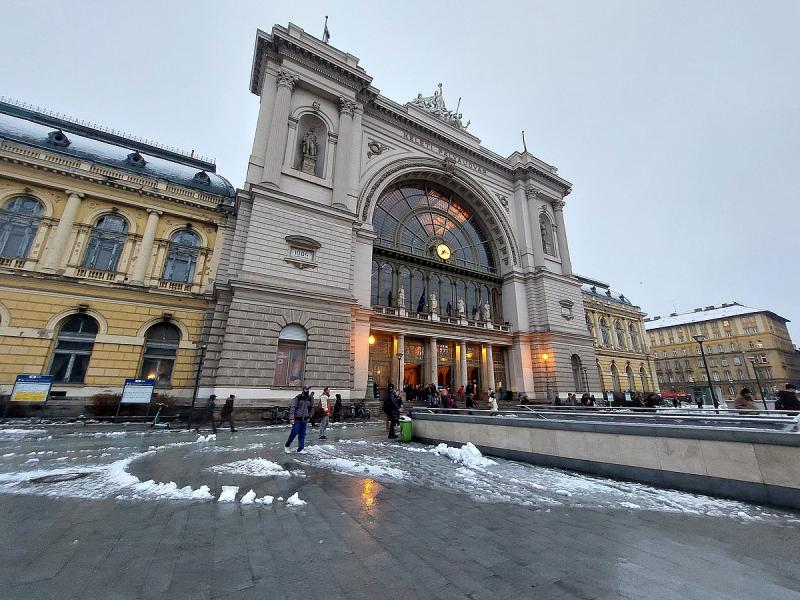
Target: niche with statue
312 140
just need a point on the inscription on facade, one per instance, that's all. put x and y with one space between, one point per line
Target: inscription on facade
446 153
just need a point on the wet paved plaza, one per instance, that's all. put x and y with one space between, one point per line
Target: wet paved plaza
121 512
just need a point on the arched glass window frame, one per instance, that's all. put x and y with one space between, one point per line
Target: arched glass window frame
105 245
412 217
616 384
629 376
577 372
619 334
18 228
290 357
73 348
159 354
605 338
181 256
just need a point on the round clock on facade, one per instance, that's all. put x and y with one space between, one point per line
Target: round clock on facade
443 251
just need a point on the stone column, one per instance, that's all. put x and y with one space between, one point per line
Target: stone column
561 234
532 193
523 224
57 253
401 362
146 249
489 366
355 158
463 361
276 141
341 165
433 363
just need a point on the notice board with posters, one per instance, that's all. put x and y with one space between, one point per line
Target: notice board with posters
137 391
32 388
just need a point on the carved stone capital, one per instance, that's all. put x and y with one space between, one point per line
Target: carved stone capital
347 106
558 204
154 211
286 78
449 165
532 192
74 193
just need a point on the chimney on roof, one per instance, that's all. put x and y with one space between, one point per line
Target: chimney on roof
698 310
712 307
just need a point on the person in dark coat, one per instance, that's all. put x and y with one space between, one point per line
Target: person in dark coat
391 406
337 409
788 400
210 406
226 414
299 414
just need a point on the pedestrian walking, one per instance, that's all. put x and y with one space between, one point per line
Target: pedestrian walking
493 403
312 410
298 419
744 401
325 410
226 414
391 407
210 406
337 409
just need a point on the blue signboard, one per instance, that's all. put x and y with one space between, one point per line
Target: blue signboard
31 388
137 391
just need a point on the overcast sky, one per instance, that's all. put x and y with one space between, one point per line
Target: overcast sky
677 122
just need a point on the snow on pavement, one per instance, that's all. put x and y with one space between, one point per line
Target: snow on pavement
255 467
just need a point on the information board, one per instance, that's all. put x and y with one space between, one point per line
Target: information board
31 388
137 391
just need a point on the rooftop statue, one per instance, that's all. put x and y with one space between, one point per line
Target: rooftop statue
435 106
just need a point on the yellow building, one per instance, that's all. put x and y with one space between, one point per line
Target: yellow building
108 254
741 344
617 327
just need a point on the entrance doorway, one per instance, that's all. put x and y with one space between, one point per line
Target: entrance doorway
474 377
445 376
412 375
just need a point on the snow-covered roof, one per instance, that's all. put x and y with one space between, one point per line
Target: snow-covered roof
40 129
602 290
709 313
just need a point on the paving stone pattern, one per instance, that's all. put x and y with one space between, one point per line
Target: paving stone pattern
361 539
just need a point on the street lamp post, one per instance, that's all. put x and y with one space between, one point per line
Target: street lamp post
196 383
545 358
700 339
752 360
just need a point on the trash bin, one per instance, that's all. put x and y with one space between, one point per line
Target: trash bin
405 429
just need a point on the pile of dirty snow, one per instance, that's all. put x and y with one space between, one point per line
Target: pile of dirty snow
468 455
255 467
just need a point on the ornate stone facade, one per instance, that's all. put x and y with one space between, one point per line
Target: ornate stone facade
472 239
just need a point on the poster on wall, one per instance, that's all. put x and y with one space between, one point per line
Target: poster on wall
137 391
31 388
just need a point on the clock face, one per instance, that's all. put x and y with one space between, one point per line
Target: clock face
443 251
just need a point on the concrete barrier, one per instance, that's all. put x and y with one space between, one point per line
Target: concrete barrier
753 465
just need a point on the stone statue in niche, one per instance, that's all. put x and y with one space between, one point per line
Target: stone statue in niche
433 304
309 148
487 312
401 297
462 309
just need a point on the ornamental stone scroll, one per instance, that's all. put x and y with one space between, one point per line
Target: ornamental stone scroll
286 78
347 106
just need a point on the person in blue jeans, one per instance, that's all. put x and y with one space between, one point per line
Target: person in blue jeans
299 414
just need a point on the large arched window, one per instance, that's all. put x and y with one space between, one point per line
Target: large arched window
19 220
546 230
161 347
182 256
577 373
405 283
290 360
604 336
106 243
629 373
615 378
73 349
634 337
620 334
385 297
422 219
375 284
447 305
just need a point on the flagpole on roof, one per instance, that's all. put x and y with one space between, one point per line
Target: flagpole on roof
326 35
